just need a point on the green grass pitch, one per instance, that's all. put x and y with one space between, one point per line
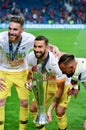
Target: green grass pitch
70 41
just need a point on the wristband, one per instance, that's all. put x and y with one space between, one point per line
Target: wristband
76 86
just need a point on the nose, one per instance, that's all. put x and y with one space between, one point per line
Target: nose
11 31
36 49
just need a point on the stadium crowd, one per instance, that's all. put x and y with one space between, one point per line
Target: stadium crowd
46 11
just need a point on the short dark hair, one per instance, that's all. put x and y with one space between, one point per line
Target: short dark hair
17 19
66 58
39 38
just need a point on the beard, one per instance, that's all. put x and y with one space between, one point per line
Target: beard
13 38
39 55
70 75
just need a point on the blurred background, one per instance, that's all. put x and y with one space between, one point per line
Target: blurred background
45 11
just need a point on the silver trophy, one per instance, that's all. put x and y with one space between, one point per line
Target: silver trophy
39 87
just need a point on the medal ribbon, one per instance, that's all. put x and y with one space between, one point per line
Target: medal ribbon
44 64
11 54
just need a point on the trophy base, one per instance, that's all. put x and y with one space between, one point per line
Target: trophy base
41 119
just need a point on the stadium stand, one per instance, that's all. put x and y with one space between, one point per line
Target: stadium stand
45 11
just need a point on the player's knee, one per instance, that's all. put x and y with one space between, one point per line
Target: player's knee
33 107
60 111
24 103
2 102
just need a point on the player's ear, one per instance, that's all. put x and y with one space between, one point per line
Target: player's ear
71 66
22 29
47 48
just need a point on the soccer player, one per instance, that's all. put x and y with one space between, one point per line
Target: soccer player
14 45
76 69
57 82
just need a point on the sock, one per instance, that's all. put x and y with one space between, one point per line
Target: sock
62 122
23 118
62 129
2 118
39 127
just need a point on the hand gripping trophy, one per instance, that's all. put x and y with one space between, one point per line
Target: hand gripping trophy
39 85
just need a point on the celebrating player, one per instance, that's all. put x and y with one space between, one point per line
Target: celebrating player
14 45
75 68
57 87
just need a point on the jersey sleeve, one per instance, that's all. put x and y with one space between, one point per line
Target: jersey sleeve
31 60
28 38
3 38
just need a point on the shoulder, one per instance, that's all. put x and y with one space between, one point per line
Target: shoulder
52 63
31 57
28 39
31 60
28 35
3 37
81 60
52 58
54 67
4 34
31 54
